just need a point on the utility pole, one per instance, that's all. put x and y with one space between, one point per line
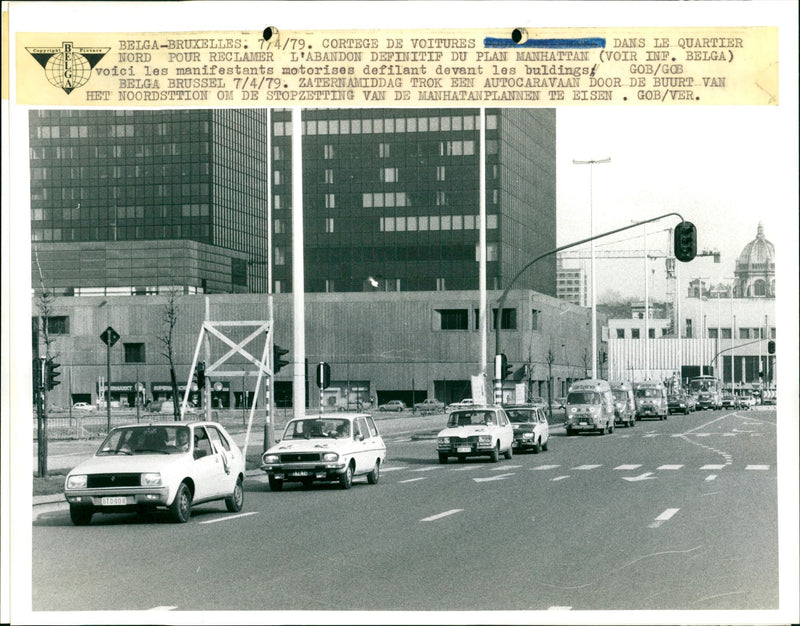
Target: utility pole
591 164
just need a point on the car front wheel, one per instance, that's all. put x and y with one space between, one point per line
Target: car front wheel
346 477
495 455
509 454
181 507
276 484
236 500
80 515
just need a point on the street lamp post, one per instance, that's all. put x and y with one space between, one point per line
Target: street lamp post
591 164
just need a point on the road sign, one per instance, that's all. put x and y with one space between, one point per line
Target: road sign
109 336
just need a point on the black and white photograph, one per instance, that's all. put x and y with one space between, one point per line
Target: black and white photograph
403 362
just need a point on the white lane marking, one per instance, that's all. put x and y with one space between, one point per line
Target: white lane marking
465 468
440 515
392 469
757 467
701 434
667 515
669 467
728 434
557 478
711 477
544 467
640 477
505 467
651 435
586 467
713 466
228 517
663 518
628 467
490 478
411 480
163 608
559 608
426 469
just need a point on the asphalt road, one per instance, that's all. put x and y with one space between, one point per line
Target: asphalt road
669 515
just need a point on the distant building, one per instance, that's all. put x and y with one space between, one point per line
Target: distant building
726 327
572 284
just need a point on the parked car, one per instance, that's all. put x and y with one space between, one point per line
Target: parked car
678 403
83 406
484 431
143 467
746 401
393 405
461 404
330 447
429 405
531 430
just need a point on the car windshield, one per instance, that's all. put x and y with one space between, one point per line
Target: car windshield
316 428
620 395
584 397
521 416
133 440
648 392
471 418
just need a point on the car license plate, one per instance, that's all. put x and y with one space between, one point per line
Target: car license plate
462 449
302 473
113 501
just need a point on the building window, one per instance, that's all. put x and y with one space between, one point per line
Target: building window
744 333
620 333
329 225
329 177
239 272
383 150
440 172
330 201
327 151
58 325
388 175
508 321
713 333
134 353
535 319
689 328
634 333
725 333
651 332
452 319
280 255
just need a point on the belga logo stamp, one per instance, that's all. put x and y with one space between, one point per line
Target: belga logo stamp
68 67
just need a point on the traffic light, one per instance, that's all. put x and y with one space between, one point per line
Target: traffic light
685 241
37 374
52 374
323 375
506 368
200 374
277 361
604 356
502 368
771 347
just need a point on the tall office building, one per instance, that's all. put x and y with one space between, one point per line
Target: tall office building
136 201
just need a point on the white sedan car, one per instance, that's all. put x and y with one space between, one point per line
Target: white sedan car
479 431
324 448
143 467
531 430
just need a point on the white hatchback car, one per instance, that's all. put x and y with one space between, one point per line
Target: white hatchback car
324 448
531 430
479 431
172 465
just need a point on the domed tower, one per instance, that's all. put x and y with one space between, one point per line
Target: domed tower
755 268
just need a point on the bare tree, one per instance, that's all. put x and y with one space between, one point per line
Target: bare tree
169 315
551 357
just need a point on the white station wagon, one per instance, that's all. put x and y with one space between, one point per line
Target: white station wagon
326 447
172 465
480 431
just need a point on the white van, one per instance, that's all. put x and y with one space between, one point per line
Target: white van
651 400
624 404
590 406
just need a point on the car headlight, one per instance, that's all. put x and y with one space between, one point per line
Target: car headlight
151 479
593 409
484 439
330 457
573 409
76 481
268 459
444 441
527 435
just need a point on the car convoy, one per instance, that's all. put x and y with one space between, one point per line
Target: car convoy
172 466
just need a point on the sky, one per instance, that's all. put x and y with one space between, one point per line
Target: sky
721 168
